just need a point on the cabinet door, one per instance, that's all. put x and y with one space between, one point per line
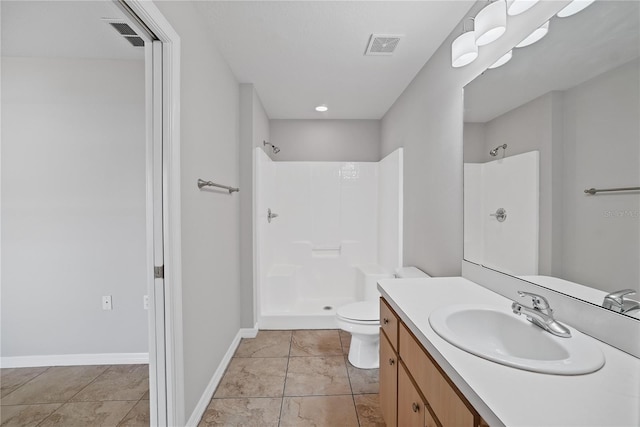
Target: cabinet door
411 408
449 408
388 381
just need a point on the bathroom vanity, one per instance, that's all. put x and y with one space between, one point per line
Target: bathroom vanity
426 381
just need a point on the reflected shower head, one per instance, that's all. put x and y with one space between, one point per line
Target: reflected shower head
275 149
494 152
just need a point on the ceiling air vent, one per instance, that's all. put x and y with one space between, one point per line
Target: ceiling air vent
382 44
125 31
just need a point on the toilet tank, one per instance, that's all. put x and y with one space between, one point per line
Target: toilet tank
367 277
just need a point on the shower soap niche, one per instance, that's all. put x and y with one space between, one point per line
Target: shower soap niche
326 251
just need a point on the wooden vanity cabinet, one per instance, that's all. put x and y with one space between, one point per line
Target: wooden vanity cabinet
424 395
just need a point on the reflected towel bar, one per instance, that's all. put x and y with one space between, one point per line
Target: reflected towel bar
603 190
203 183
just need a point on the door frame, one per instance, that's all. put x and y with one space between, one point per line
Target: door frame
170 406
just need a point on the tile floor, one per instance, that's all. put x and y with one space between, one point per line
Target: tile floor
71 396
295 378
279 378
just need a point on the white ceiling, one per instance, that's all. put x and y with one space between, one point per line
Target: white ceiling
300 54
63 29
602 37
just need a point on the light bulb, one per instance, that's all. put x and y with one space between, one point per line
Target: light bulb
536 35
574 7
516 7
464 50
491 22
503 60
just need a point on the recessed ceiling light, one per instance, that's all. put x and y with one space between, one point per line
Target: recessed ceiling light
322 108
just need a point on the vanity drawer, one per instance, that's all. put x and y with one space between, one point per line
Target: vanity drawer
389 323
445 401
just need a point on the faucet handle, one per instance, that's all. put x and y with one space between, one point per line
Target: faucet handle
539 301
618 296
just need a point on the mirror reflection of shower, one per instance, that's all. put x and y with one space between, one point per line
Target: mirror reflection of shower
275 149
494 152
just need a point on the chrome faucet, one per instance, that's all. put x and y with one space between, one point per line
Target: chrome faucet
617 302
541 315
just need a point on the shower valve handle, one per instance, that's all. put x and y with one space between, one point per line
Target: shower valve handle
271 215
501 214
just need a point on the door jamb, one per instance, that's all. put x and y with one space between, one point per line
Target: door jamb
155 21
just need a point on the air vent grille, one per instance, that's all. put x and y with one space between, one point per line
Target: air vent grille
125 31
382 44
123 28
135 41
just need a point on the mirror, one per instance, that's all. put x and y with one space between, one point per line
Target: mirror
560 118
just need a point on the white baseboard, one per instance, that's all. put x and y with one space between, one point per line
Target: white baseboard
74 360
249 332
201 407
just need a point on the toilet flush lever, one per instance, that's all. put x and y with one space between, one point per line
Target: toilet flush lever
271 215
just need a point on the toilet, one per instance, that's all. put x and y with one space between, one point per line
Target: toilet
362 319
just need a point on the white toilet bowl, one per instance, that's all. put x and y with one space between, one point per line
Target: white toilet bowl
362 319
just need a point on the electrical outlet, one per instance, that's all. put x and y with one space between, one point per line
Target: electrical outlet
145 302
106 303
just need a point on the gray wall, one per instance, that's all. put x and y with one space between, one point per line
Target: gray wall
254 128
211 304
601 234
427 120
475 150
527 128
327 140
73 207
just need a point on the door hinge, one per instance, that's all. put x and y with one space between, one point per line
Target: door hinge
158 272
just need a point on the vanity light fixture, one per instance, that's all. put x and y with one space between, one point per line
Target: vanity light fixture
574 7
491 22
537 34
464 49
503 60
516 7
322 108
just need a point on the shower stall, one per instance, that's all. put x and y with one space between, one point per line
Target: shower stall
318 227
501 213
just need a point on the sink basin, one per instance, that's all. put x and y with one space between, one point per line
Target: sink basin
496 334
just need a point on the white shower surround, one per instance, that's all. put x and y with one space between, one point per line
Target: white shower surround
334 219
511 183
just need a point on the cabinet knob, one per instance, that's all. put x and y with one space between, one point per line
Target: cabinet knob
385 321
391 361
415 407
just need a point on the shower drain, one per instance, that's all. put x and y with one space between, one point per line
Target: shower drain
327 307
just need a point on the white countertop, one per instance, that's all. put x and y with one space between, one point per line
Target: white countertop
513 397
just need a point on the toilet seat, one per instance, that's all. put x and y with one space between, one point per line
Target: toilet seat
364 312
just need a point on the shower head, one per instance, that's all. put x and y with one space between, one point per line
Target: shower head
494 152
275 149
